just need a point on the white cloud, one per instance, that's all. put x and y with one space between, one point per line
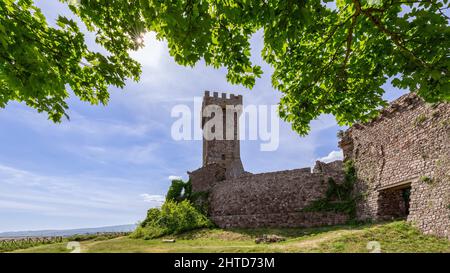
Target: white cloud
78 124
134 154
81 124
21 206
153 198
332 156
174 177
69 196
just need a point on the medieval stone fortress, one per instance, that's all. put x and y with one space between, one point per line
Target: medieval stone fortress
401 163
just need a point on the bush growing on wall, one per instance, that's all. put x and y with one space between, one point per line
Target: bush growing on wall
180 191
182 216
175 192
177 214
173 218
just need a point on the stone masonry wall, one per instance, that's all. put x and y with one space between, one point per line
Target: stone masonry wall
240 199
407 145
205 177
273 199
223 151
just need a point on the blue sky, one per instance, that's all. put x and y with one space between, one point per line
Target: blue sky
108 165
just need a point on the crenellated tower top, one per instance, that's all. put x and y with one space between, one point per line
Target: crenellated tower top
223 150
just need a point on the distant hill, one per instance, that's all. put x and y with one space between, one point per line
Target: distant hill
66 232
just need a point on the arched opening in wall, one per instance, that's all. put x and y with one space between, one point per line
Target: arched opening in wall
393 201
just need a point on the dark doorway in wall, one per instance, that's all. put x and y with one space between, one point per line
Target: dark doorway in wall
393 203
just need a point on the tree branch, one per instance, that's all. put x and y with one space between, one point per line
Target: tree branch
350 36
396 38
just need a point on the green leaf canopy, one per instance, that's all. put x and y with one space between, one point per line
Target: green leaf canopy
328 58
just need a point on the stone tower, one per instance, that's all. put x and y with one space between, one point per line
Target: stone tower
224 150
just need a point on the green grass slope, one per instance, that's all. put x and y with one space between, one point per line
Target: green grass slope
390 237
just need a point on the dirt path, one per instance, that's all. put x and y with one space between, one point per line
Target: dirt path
315 241
304 244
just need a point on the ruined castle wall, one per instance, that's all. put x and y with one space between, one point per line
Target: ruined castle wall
273 200
408 144
205 177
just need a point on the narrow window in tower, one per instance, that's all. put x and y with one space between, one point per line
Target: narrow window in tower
223 157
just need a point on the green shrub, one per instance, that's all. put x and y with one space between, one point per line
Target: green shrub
426 179
179 191
182 211
200 201
179 217
138 232
172 218
188 189
175 191
420 119
148 232
152 215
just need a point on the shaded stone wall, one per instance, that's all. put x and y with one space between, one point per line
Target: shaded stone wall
205 177
273 199
391 204
408 144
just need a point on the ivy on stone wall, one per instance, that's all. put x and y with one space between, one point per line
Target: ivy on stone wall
182 210
176 191
200 200
180 191
339 197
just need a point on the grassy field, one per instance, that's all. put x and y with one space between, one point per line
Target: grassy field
392 237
